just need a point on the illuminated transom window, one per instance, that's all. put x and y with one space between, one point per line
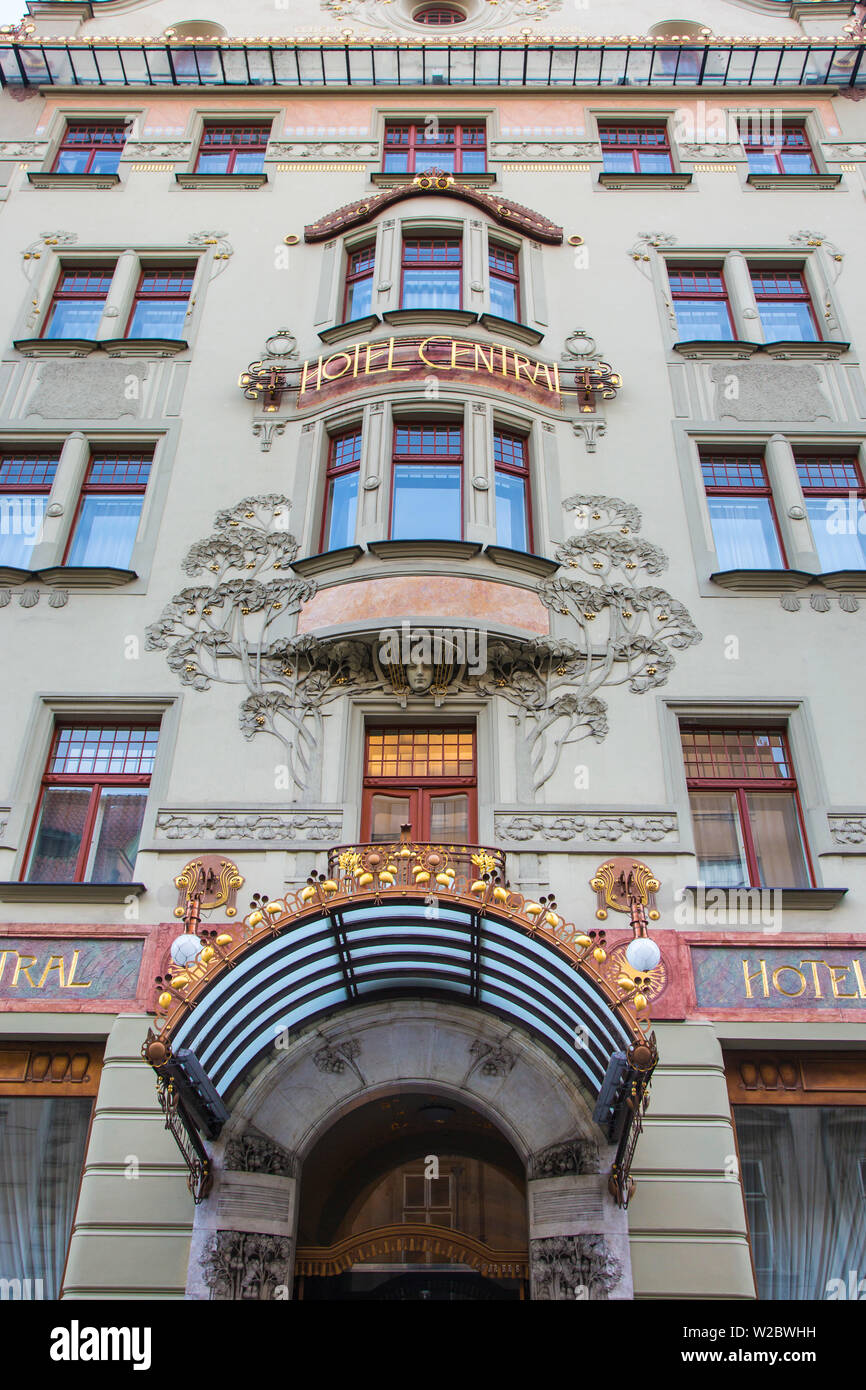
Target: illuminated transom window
420 753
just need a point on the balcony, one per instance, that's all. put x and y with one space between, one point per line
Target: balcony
420 867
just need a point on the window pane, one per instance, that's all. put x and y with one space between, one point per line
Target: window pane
760 163
359 301
387 814
73 161
105 532
706 319
216 162
42 1144
342 511
839 531
787 323
449 819
474 161
655 163
431 289
744 533
434 157
20 527
718 840
58 835
116 833
396 162
511 527
806 1209
78 318
249 162
618 161
158 319
775 830
105 162
426 503
503 298
797 163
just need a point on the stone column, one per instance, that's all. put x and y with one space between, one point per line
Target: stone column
374 478
790 506
476 271
578 1236
738 281
118 304
387 269
64 495
479 476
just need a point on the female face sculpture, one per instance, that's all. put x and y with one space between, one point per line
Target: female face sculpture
419 676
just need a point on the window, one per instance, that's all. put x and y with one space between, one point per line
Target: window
458 149
25 482
641 149
834 494
78 303
106 523
360 267
743 517
745 810
233 149
92 803
341 490
789 153
504 282
700 302
439 14
512 490
423 777
91 147
427 482
161 302
785 305
432 273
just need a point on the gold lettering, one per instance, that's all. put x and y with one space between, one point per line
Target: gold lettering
814 964
542 367
858 971
440 366
53 963
519 362
789 993
488 362
22 969
749 978
357 353
391 367
3 963
456 345
304 374
843 970
72 983
335 358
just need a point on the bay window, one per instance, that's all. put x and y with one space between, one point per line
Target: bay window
161 302
426 483
700 301
341 490
109 510
745 808
25 483
835 500
432 273
79 300
784 304
511 466
742 512
90 147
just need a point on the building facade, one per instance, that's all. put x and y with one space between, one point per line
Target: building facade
432 572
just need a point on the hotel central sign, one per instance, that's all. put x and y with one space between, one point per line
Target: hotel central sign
396 360
778 977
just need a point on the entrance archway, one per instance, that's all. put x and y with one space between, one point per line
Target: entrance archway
412 1196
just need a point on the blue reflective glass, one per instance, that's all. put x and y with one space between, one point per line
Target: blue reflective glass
426 503
106 531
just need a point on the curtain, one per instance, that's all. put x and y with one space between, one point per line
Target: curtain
42 1143
803 1178
744 533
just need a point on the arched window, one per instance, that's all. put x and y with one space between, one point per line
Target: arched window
439 15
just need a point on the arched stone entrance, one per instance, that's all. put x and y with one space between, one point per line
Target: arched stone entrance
247 1242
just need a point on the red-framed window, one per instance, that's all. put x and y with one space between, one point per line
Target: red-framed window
91 806
161 302
745 808
835 498
341 490
513 508
700 299
420 775
427 482
790 153
78 302
25 483
439 15
784 304
233 148
109 510
504 266
413 146
90 147
636 149
742 511
432 273
360 269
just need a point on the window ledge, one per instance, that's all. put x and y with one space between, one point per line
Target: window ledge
447 318
72 893
794 180
424 549
807 899
716 347
11 575
86 576
48 180
521 560
114 347
143 347
608 179
55 347
351 329
762 581
479 180
328 560
819 348
221 180
509 328
845 581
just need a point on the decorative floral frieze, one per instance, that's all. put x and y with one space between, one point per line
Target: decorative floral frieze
334 1058
594 827
247 1266
848 830
178 150
573 1267
22 149
542 150
260 826
575 1156
323 149
708 152
255 1153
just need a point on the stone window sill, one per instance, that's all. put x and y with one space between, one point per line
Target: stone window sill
10 575
351 330
424 550
221 180
780 351
86 576
714 347
521 560
328 560
805 899
821 349
608 179
445 318
845 581
72 893
114 347
56 347
49 180
143 347
762 581
507 328
794 180
479 180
